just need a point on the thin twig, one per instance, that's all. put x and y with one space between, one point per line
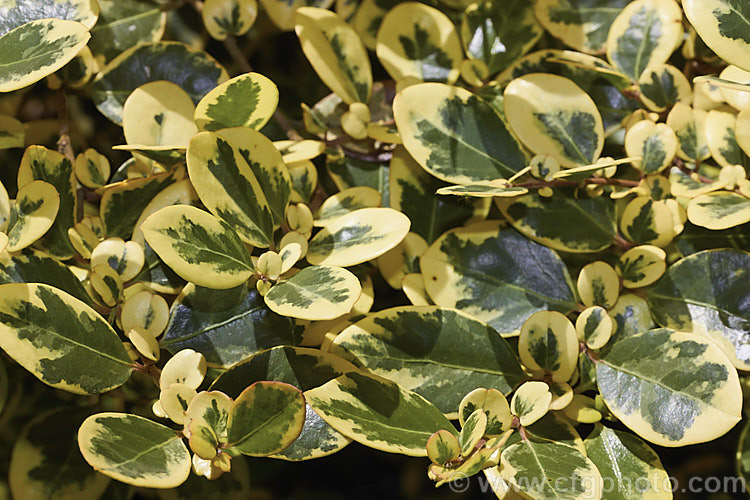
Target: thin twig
63 143
230 43
286 125
602 181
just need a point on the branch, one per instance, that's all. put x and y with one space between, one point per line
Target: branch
230 43
603 181
63 143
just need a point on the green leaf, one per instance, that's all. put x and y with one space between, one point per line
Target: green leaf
335 52
122 203
563 222
347 172
706 293
37 49
315 293
46 463
723 25
552 115
645 33
544 469
305 369
157 275
33 266
358 236
198 246
17 12
496 275
416 41
247 100
498 34
671 388
629 465
228 187
125 23
412 192
454 135
40 163
440 354
134 450
580 24
61 340
655 143
266 418
226 326
378 413
193 70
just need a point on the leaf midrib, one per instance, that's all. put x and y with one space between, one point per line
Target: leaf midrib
71 341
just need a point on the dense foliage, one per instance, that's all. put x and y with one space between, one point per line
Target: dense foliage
513 240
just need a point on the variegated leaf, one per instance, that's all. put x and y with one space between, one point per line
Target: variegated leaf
193 70
580 24
287 364
644 33
455 135
671 388
61 340
247 100
267 165
123 24
358 236
378 413
416 41
563 222
45 461
706 293
40 163
37 49
198 246
494 275
226 326
554 116
336 53
546 469
723 25
134 450
266 418
438 353
228 187
315 293
629 464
